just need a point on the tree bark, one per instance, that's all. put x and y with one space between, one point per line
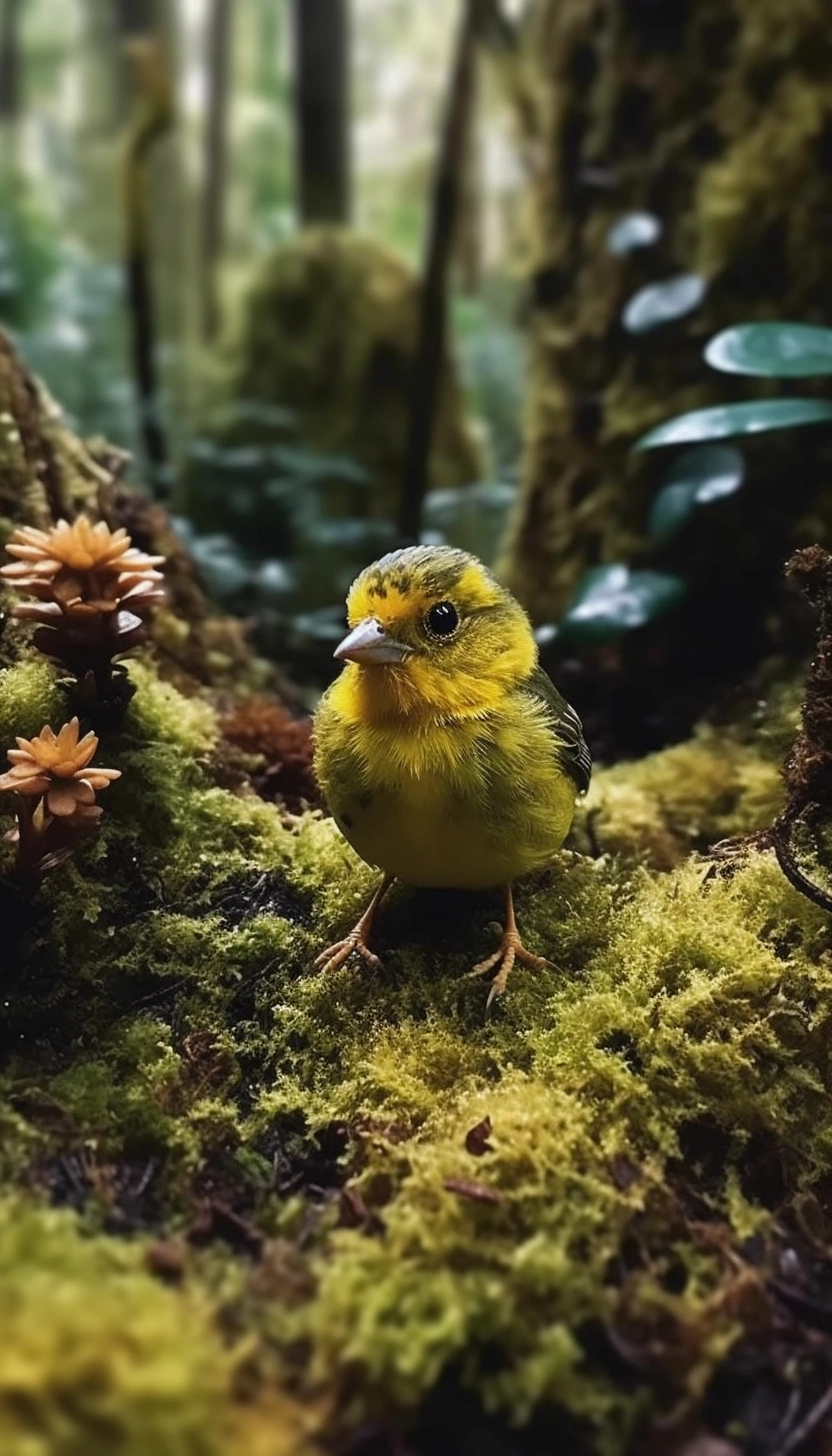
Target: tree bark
321 47
220 30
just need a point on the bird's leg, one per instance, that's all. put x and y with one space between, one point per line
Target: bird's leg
335 955
511 949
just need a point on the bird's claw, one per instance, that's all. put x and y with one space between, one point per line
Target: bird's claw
335 955
510 949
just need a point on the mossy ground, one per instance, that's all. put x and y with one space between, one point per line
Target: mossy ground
296 1204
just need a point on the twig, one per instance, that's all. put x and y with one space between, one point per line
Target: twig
779 837
813 1418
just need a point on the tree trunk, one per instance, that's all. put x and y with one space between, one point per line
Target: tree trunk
11 14
215 172
427 365
131 18
153 115
103 101
321 44
469 239
717 119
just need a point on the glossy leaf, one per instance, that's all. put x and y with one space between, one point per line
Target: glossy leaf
613 599
776 351
663 303
711 471
222 565
723 421
699 476
673 506
633 231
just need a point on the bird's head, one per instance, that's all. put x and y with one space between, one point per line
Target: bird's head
433 634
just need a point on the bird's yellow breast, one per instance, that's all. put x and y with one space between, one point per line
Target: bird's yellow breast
469 803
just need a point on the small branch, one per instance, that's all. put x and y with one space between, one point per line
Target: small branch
780 836
813 1418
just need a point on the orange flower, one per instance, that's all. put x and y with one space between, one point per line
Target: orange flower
79 545
57 766
87 569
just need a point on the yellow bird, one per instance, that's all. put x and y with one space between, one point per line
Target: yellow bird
446 755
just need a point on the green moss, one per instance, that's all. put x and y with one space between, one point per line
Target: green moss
159 711
456 1274
97 1356
705 1001
29 698
163 1009
686 797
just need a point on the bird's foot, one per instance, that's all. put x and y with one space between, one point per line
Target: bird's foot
511 949
335 955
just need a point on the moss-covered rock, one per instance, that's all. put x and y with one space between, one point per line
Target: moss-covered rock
326 334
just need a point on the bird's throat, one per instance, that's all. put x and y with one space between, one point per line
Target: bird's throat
414 695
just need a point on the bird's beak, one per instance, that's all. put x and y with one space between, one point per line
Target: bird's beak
368 642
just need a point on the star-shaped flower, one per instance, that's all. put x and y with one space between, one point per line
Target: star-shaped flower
86 569
57 766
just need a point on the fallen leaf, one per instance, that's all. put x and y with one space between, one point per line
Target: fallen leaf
476 1138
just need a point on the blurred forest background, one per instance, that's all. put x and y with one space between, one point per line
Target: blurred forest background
339 274
212 216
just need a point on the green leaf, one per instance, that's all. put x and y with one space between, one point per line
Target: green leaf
673 505
699 476
724 420
777 351
663 303
634 230
613 599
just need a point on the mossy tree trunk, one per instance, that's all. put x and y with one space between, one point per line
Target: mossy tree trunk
717 118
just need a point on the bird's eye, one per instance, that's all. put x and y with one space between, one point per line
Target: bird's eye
442 619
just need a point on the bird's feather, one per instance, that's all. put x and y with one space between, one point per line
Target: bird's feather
570 745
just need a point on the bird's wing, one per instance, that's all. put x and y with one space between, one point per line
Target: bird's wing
570 746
